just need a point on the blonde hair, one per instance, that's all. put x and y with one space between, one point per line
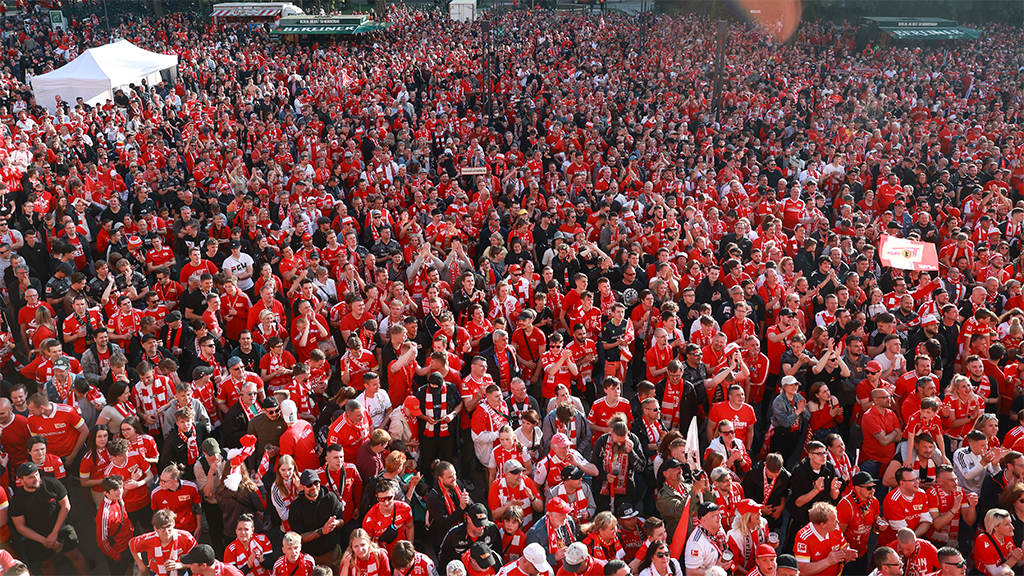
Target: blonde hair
292 539
603 520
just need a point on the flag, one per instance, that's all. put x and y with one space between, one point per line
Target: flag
908 254
682 531
691 448
346 80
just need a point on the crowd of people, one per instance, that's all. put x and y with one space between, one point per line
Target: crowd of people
256 311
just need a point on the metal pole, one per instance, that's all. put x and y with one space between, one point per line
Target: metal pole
716 94
106 18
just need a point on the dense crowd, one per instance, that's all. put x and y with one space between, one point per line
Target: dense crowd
256 311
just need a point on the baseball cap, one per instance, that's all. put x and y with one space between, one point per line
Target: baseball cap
234 361
874 366
148 337
626 511
765 551
211 447
575 557
66 268
670 464
706 508
456 568
234 244
199 554
747 506
412 405
571 472
560 440
309 477
535 554
200 371
512 466
27 469
559 506
269 402
785 312
787 380
929 320
863 479
477 514
62 363
481 553
289 411
788 561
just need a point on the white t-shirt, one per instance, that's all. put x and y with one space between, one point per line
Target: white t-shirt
236 267
376 407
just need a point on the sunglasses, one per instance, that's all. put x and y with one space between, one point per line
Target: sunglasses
662 554
385 498
273 412
960 564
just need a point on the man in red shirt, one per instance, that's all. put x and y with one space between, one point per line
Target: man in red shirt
82 325
820 548
126 322
919 556
857 513
604 408
179 496
113 528
136 473
557 364
298 441
736 411
14 434
350 430
62 426
341 478
905 507
881 433
529 343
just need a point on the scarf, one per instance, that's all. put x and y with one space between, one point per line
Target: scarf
65 390
125 409
495 418
190 443
929 469
769 485
436 406
844 469
654 432
555 540
948 533
571 432
252 411
502 455
611 460
411 421
450 504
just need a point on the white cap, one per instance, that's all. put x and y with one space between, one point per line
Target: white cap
534 554
456 568
289 411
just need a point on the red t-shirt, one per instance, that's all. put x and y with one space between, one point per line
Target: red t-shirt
376 522
986 553
859 519
901 509
812 547
60 428
181 502
874 422
159 554
135 468
349 435
742 420
272 363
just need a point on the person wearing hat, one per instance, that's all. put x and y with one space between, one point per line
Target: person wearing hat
702 550
38 509
299 440
201 561
511 489
480 560
765 561
788 410
555 531
749 531
243 410
576 492
268 428
859 514
578 560
315 516
476 526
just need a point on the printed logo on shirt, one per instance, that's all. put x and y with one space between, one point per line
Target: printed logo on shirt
801 547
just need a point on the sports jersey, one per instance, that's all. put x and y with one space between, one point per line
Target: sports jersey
351 436
501 493
601 412
181 502
376 522
114 529
903 512
940 502
60 427
133 468
158 553
990 551
237 555
810 546
743 419
301 567
859 517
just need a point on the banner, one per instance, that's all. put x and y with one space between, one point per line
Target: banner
908 254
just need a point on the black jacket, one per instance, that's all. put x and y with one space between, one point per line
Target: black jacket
441 522
305 515
492 363
457 541
176 451
802 482
637 463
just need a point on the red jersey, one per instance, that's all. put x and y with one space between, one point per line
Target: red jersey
742 419
60 428
902 511
551 380
238 555
302 567
351 436
601 412
939 502
376 522
159 553
812 547
271 363
134 468
352 491
181 502
859 517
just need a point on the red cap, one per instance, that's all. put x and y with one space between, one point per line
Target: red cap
874 366
747 506
559 506
307 236
954 212
134 241
412 406
765 551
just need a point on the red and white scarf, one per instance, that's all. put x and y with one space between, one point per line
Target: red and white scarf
948 534
450 504
125 409
436 406
571 432
769 485
495 418
929 469
190 443
842 464
556 540
618 485
654 432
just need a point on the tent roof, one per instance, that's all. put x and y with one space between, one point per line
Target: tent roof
120 63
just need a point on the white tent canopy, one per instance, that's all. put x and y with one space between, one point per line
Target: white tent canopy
97 73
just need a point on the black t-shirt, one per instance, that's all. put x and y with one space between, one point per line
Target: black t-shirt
40 507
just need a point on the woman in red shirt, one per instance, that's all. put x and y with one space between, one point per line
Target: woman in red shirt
388 513
95 460
994 550
364 557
